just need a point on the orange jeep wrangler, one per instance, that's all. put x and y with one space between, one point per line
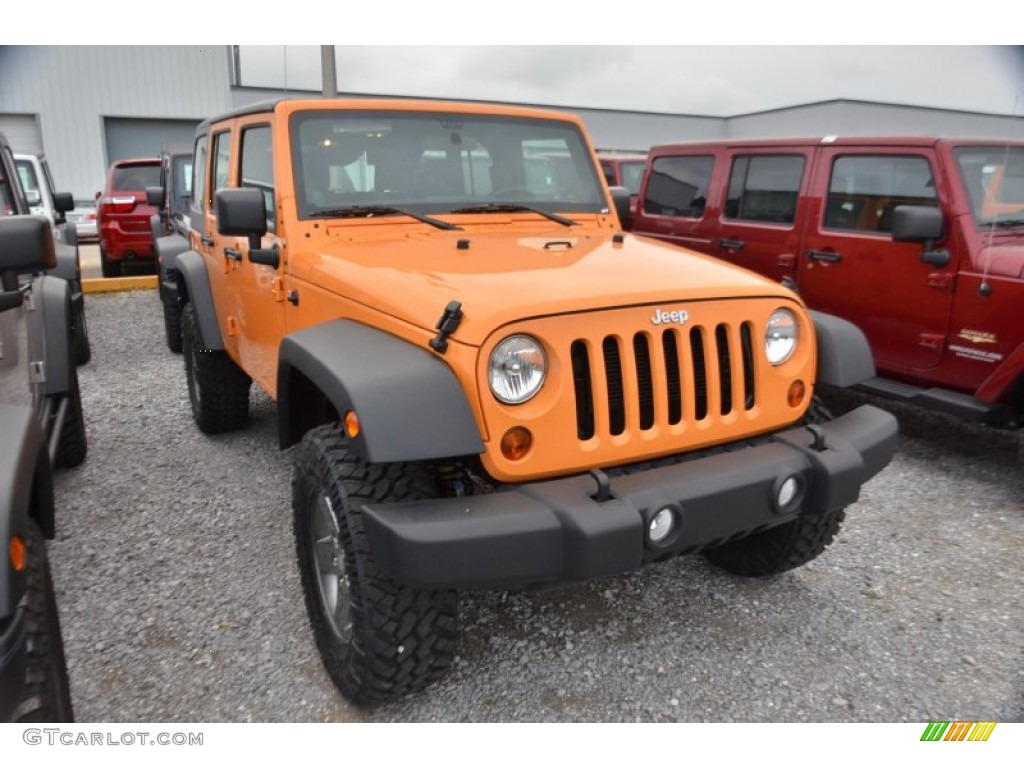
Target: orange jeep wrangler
490 385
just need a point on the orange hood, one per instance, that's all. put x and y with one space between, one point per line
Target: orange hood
507 277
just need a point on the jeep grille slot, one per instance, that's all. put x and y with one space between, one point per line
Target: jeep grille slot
672 378
700 378
613 376
583 389
746 335
666 377
644 380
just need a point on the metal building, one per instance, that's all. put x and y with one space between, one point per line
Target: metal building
86 106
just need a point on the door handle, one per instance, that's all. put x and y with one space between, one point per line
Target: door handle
233 254
824 255
206 240
730 245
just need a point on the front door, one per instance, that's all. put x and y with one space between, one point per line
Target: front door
850 266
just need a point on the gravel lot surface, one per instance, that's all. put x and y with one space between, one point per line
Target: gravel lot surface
180 597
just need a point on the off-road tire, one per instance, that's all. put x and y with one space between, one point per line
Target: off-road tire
46 697
217 388
80 346
400 639
109 266
778 549
785 546
72 445
172 325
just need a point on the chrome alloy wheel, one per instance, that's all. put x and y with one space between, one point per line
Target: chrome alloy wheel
331 575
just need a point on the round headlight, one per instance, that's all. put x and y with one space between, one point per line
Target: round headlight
516 369
780 337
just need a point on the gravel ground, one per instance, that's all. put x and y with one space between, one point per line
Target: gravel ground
180 596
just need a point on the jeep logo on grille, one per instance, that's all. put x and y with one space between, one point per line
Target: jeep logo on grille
661 317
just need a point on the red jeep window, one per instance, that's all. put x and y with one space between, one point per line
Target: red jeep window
864 190
679 186
765 188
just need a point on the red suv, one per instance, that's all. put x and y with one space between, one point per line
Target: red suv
123 214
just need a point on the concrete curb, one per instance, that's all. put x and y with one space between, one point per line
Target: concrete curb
106 284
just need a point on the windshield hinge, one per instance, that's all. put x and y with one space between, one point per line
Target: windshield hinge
446 326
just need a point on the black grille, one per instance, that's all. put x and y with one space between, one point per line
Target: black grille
688 358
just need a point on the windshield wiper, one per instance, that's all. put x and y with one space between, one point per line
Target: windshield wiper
368 211
514 208
1005 223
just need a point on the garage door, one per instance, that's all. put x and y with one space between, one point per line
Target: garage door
130 138
22 132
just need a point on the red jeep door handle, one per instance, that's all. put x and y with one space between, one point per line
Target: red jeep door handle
824 255
730 245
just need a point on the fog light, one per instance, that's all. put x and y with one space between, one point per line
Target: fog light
16 551
516 443
352 424
788 493
662 525
795 395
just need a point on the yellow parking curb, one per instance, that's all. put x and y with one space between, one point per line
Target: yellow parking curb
105 284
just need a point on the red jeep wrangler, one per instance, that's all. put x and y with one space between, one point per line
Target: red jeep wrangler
917 241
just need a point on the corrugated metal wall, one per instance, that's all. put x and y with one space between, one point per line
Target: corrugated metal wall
71 89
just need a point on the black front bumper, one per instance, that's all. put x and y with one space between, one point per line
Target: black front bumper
12 663
555 531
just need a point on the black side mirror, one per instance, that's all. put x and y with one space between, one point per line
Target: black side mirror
620 197
26 246
916 223
241 213
63 202
921 224
155 196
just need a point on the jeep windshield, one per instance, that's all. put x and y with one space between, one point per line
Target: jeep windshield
994 179
419 163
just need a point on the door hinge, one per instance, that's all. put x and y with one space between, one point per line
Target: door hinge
234 328
37 372
787 260
933 341
941 280
277 289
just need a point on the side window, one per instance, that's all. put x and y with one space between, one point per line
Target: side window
221 150
864 190
609 174
679 186
257 167
764 188
199 174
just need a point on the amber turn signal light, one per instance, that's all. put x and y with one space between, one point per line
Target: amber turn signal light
351 424
16 550
795 396
516 443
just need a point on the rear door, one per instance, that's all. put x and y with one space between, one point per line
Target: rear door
851 267
762 207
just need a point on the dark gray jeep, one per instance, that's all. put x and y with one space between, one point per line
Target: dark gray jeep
42 425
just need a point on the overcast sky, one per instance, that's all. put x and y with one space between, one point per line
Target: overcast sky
703 80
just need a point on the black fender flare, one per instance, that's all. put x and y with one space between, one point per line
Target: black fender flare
191 269
55 303
68 266
167 249
410 405
844 356
25 474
